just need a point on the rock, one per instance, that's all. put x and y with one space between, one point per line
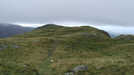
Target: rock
15 46
80 68
69 73
77 69
3 47
51 60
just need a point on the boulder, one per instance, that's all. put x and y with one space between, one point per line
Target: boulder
80 68
77 69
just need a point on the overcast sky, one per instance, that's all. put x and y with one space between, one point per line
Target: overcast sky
99 12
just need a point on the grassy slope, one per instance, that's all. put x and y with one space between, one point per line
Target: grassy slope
68 47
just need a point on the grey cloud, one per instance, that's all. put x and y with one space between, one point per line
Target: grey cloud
116 12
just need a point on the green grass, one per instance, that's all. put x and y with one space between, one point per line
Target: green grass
53 50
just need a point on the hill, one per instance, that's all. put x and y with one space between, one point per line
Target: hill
59 50
51 30
7 30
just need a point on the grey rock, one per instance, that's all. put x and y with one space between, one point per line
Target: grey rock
69 73
80 68
3 47
15 46
77 69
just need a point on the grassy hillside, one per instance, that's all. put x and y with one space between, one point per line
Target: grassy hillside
56 50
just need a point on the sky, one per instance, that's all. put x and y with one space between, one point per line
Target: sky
109 13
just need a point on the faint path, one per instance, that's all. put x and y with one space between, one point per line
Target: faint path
45 68
52 48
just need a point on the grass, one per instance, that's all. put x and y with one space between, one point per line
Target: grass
54 50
